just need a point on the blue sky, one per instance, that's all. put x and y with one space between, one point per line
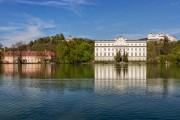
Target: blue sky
25 20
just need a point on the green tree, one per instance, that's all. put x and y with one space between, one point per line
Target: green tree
75 51
118 57
125 59
163 52
165 47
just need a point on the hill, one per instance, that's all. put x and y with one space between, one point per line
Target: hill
76 50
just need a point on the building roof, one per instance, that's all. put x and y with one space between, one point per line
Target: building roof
28 53
104 40
138 40
143 39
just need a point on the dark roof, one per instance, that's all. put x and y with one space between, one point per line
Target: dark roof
143 39
104 40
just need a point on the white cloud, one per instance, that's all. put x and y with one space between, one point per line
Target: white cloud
42 3
51 2
33 28
40 23
8 28
30 33
72 5
79 2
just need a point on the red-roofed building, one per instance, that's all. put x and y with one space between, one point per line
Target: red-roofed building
27 56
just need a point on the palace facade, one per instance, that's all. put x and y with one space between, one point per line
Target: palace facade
32 57
135 49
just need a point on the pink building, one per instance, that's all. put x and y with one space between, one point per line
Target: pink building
33 57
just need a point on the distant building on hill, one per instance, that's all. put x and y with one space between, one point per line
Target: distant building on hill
28 57
158 37
69 38
106 50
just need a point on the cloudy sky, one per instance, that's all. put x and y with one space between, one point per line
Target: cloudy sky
25 20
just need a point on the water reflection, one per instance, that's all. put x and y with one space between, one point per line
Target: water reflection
49 71
137 78
104 79
89 91
118 78
26 70
163 80
46 77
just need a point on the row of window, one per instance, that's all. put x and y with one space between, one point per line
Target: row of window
112 49
132 44
112 54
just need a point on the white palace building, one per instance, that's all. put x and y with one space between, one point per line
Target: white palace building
106 50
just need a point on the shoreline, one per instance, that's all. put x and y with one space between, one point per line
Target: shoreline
122 63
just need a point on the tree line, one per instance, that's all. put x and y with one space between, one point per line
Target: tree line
81 50
77 50
74 50
163 52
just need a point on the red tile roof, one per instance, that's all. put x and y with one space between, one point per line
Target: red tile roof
28 53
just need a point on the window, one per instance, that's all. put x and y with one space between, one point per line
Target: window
96 49
104 49
108 49
112 54
108 54
135 54
96 54
100 54
104 54
131 54
144 54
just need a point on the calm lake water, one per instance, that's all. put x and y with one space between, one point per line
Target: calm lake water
89 92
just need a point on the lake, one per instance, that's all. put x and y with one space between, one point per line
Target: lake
89 92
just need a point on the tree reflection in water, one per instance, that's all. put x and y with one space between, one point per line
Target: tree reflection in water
151 79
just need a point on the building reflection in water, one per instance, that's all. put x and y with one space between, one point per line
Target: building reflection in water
119 78
26 70
49 77
104 79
